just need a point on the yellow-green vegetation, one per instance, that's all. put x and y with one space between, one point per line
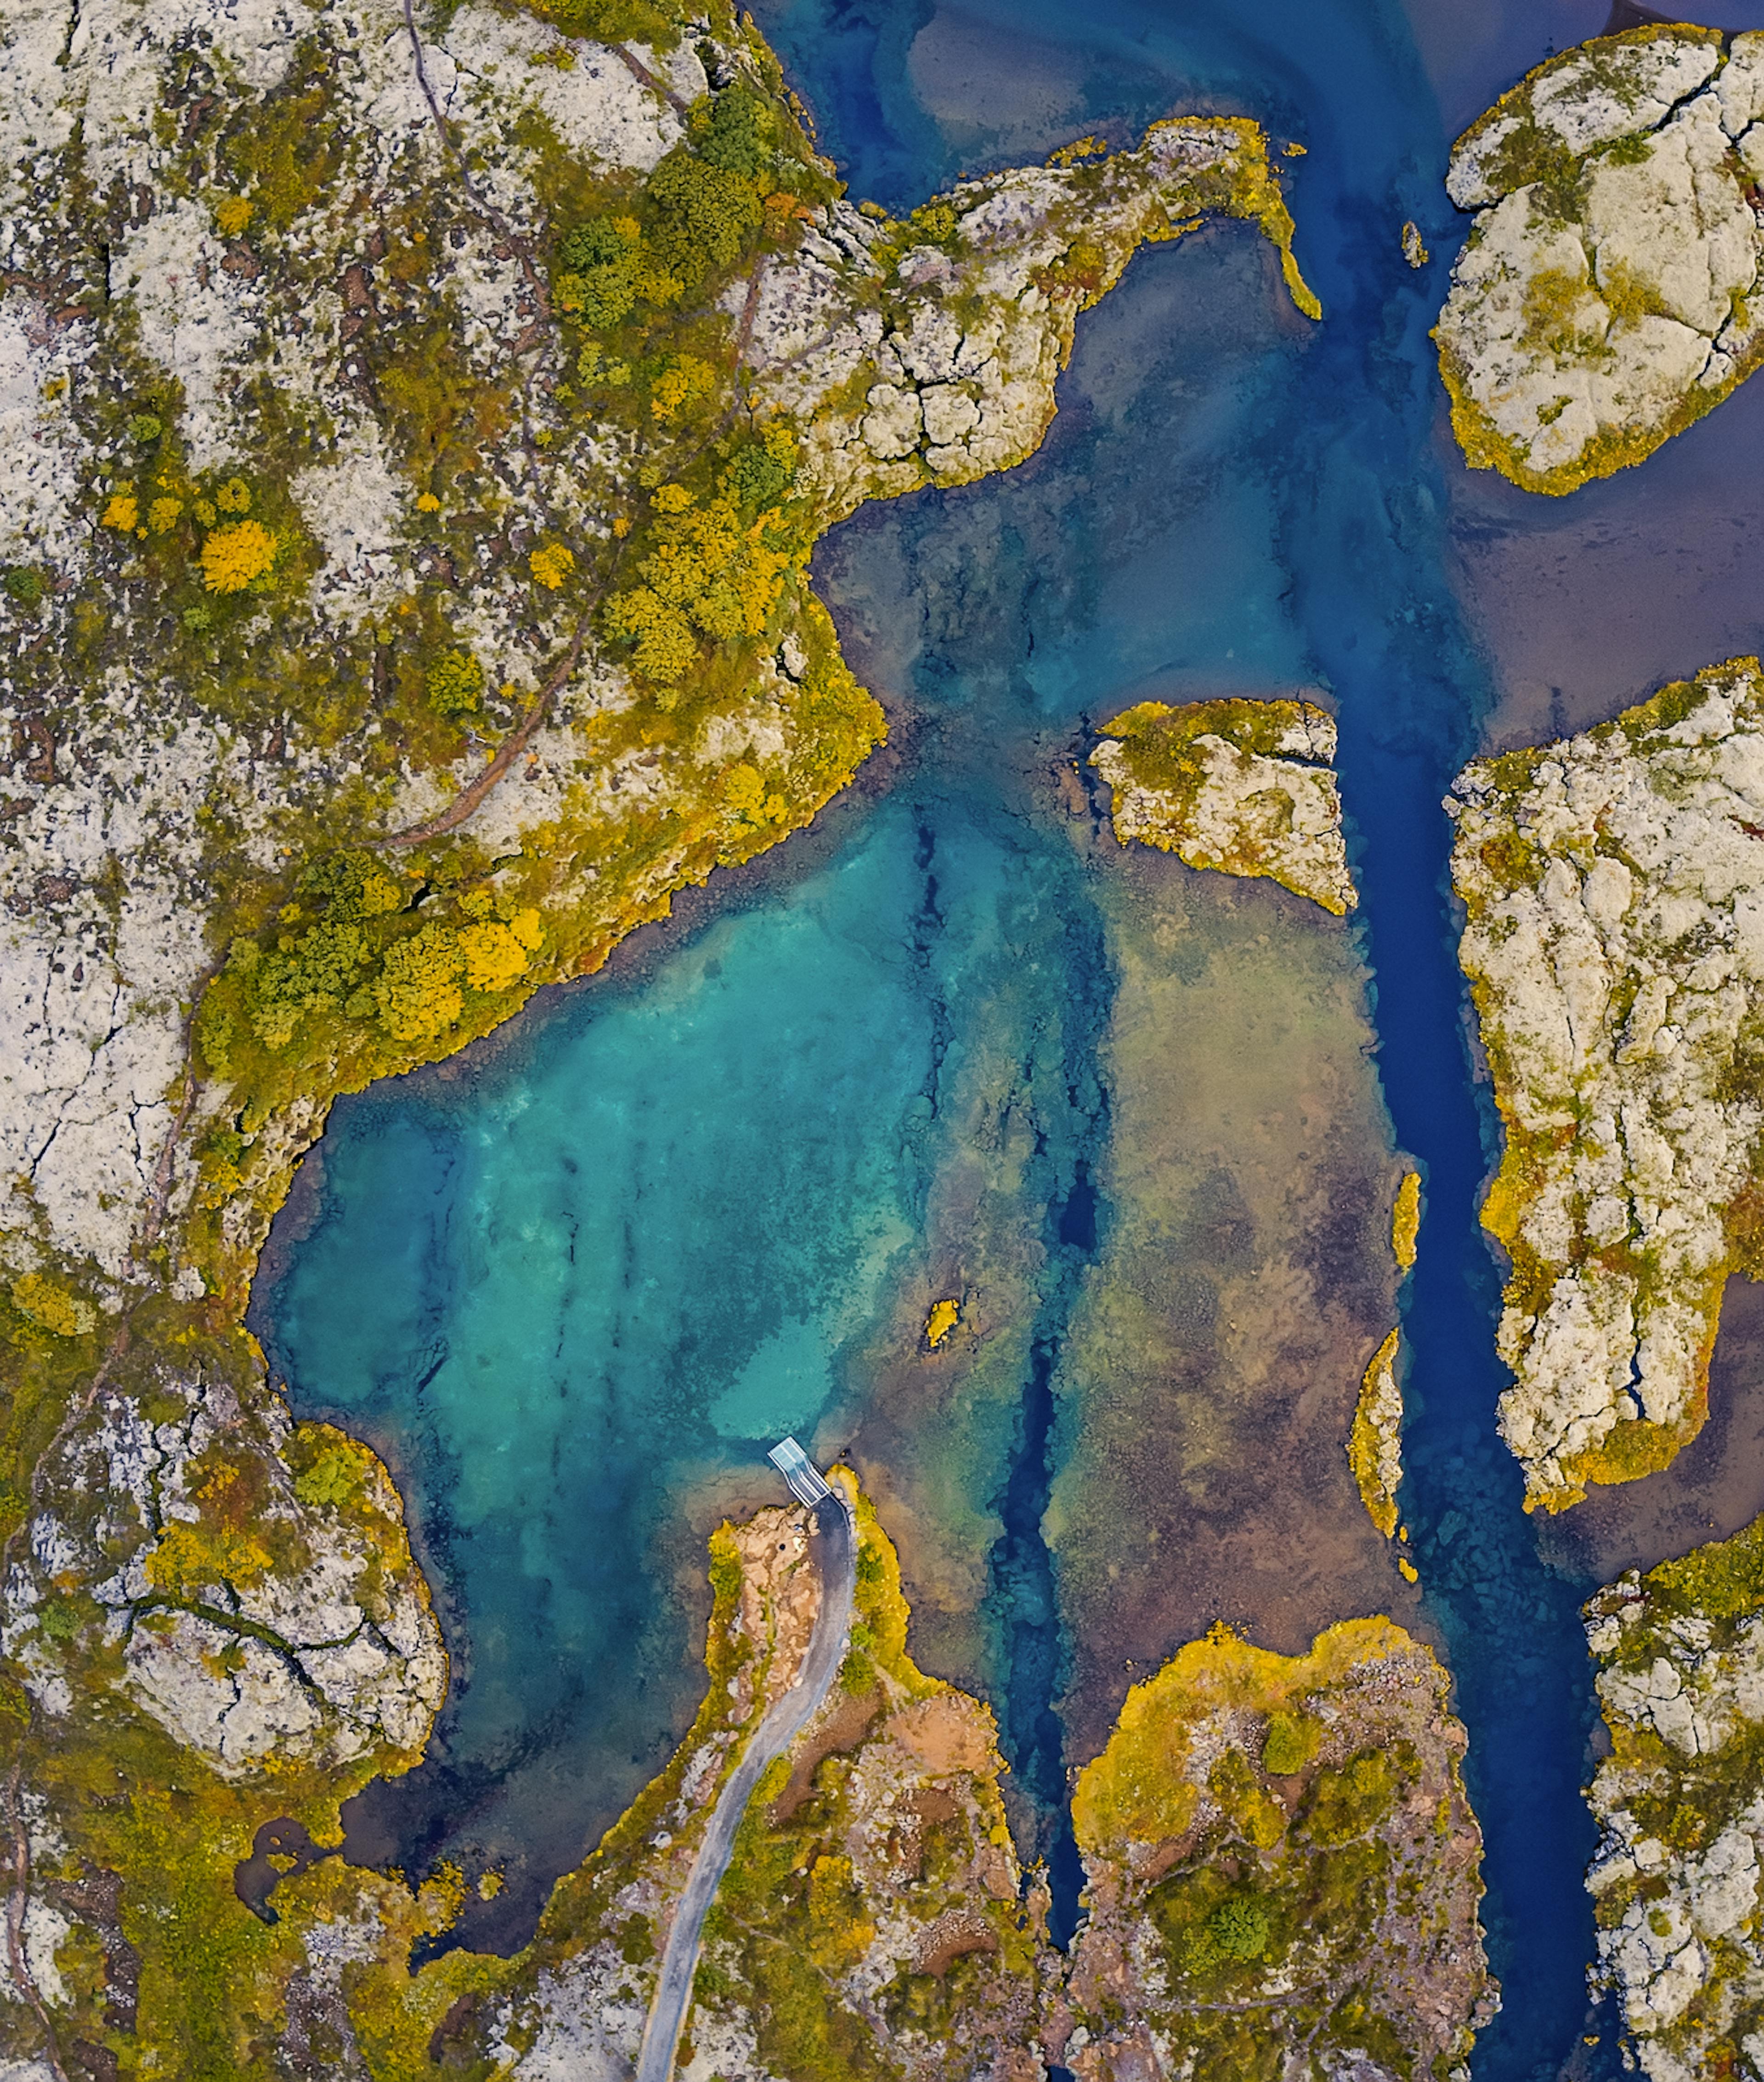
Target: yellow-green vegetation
1674 1882
182 1978
888 1819
815 1879
1563 858
1406 1219
1290 1836
1375 1443
1242 786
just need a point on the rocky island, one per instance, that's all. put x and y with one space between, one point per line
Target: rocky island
1613 888
1680 1808
1604 299
414 436
1247 787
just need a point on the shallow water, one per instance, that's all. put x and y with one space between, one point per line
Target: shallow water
574 1287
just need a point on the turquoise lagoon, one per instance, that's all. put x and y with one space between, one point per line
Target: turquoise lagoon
573 1285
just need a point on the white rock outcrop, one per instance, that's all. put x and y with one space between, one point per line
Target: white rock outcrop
1681 1680
1246 787
1613 938
1608 294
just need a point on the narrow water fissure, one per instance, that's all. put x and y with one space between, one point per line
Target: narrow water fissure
1024 1596
1522 1678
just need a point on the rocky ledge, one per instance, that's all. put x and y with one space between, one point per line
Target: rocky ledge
1244 787
1613 888
1282 1871
1680 1804
1608 294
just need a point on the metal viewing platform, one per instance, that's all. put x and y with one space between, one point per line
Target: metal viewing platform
800 1472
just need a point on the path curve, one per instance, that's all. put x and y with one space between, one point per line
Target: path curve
836 1535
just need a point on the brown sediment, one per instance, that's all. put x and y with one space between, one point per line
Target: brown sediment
1217 1357
844 1729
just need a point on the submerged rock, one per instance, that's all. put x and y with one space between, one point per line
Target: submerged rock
1613 888
1244 787
1608 294
1680 1809
1280 1861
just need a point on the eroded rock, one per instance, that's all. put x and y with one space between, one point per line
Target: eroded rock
1681 1925
1241 1792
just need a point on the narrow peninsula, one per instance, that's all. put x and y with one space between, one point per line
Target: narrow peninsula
1613 888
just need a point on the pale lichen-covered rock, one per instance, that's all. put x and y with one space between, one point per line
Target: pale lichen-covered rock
1676 1880
1263 1835
1613 938
319 462
1244 787
1605 298
253 1612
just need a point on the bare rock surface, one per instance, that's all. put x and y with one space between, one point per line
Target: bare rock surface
1613 938
1607 295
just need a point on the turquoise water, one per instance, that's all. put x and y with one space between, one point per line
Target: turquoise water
575 1287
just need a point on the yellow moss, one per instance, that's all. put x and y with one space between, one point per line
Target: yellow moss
1406 1219
671 499
427 502
551 563
45 1302
122 513
1408 1570
1366 1453
188 1558
495 958
528 927
417 989
942 1321
234 556
232 214
162 515
1138 1789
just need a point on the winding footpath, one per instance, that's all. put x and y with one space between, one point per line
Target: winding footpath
835 1537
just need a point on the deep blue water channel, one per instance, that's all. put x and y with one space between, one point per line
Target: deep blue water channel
573 1287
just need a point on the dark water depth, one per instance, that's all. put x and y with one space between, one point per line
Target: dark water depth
573 1287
